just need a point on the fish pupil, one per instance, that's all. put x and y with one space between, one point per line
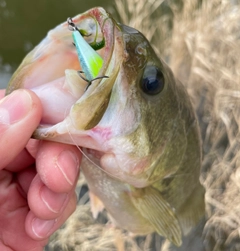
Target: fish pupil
152 81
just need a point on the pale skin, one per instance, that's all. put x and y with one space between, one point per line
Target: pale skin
37 179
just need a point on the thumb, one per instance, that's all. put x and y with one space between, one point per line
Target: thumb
20 114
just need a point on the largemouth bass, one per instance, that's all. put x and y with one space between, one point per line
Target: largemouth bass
137 128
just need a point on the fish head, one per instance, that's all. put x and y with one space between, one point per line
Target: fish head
133 123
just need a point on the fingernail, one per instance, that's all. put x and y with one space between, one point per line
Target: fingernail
55 205
15 107
42 228
68 164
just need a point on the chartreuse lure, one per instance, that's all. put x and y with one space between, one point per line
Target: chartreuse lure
91 62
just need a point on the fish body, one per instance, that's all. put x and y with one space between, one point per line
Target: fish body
137 128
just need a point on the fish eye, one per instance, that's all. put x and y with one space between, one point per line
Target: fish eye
152 81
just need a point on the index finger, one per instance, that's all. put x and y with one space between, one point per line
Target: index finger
58 165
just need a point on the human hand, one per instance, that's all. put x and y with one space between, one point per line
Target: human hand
37 179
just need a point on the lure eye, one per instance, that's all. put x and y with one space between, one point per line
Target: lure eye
152 81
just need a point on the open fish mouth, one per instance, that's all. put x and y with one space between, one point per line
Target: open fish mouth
51 70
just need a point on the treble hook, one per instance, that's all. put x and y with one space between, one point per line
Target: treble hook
71 25
89 81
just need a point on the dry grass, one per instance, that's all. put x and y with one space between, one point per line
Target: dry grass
201 42
206 46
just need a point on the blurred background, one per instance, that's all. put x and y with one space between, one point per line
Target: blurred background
23 24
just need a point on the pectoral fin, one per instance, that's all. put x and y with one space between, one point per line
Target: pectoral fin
96 205
154 208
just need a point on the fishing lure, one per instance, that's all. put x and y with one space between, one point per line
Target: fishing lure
89 59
